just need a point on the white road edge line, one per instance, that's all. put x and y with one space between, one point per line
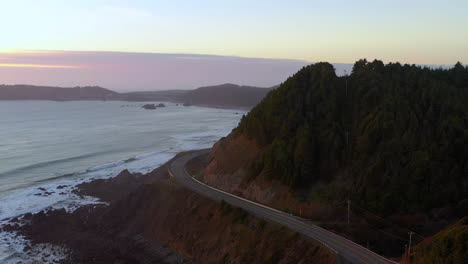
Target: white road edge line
281 212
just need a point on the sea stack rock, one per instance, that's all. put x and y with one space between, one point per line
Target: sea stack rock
149 106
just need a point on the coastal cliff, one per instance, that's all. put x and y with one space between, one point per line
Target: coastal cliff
152 219
391 139
229 167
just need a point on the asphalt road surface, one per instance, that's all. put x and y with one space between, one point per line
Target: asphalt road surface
346 250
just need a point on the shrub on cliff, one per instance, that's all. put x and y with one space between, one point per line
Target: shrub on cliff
449 246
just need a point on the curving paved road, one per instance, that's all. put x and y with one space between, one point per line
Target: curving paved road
345 249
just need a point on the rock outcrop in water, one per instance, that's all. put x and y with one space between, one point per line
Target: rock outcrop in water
149 106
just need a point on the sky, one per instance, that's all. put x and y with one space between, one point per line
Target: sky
54 35
127 71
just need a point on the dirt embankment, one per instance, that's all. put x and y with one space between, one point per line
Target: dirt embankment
152 219
209 232
227 168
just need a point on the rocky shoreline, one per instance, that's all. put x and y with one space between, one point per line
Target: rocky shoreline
149 218
89 234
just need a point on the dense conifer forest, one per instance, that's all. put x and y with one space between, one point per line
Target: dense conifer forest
392 137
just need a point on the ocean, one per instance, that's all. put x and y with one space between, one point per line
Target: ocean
47 148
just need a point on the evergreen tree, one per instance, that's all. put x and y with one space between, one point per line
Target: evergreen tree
398 132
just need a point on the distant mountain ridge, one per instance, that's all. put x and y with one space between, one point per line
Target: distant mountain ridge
221 96
227 95
32 92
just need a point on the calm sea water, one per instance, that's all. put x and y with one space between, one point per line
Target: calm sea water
46 144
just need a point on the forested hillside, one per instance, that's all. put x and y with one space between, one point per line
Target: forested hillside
392 137
447 246
227 95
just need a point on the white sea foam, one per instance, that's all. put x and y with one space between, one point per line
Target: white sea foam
57 195
201 128
106 166
14 246
146 155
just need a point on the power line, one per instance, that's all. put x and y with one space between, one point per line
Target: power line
410 232
403 229
419 237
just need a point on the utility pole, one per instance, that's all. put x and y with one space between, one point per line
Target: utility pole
406 253
349 209
410 233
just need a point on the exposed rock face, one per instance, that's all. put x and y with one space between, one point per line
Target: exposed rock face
149 106
228 170
230 158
